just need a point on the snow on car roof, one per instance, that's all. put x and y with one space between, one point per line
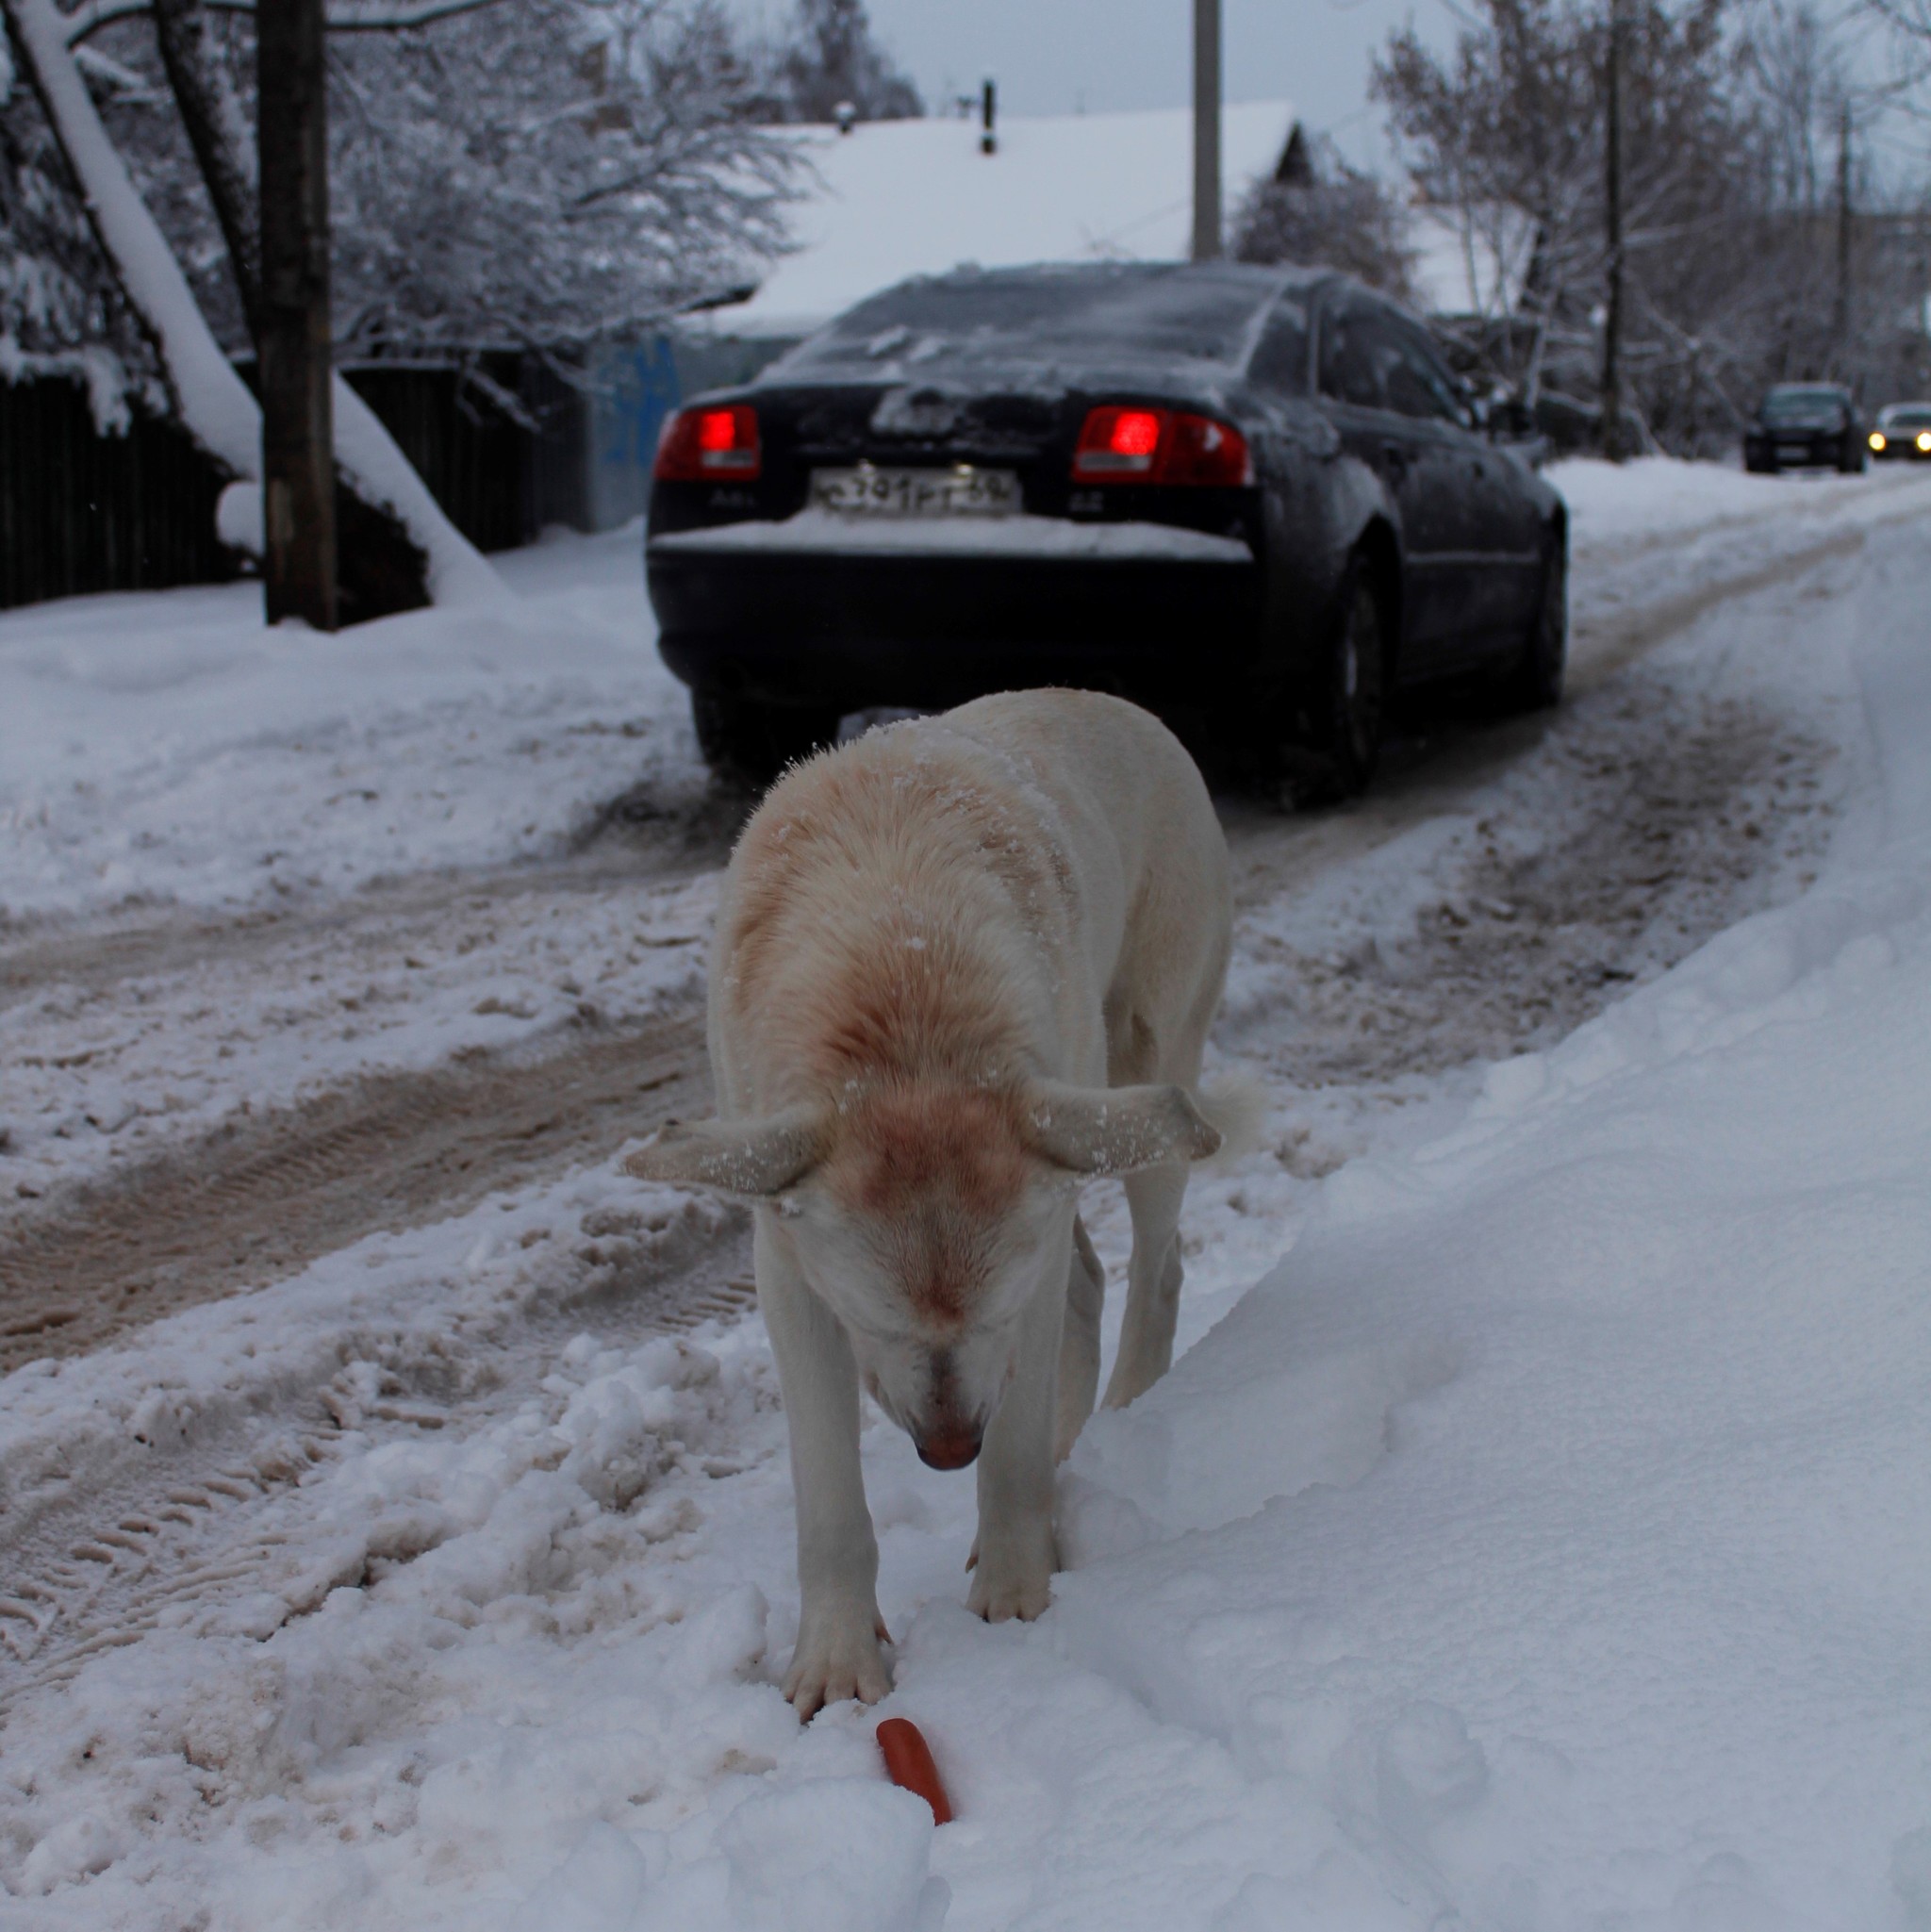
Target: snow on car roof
899 198
1109 312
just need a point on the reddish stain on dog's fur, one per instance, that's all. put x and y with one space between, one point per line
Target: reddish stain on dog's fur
936 1166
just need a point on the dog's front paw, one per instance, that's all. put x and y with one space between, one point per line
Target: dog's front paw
1012 1578
837 1656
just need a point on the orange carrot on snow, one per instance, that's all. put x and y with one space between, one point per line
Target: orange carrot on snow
909 1765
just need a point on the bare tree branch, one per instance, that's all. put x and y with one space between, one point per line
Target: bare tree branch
1732 105
344 17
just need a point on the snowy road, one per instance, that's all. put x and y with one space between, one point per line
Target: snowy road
464 1031
396 1102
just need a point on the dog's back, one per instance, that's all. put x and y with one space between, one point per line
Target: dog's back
1117 772
951 895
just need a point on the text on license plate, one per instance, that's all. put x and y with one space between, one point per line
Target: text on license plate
959 491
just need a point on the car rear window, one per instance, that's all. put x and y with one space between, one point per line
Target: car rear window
1790 403
1048 317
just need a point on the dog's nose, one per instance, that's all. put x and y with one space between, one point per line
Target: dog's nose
949 1448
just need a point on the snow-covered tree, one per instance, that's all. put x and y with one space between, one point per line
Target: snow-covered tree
61 309
1319 210
1729 263
540 172
571 169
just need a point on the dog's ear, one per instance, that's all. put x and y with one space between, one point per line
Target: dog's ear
1115 1129
754 1158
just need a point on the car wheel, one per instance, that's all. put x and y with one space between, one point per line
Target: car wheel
1534 682
752 743
1349 707
1852 461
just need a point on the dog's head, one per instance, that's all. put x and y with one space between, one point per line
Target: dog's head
927 1216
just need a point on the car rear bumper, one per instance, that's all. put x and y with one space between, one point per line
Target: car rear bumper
894 625
1799 452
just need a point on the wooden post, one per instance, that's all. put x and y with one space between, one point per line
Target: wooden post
1612 428
1206 130
297 422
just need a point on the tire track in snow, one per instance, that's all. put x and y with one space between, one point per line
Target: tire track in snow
269 1191
626 841
217 1525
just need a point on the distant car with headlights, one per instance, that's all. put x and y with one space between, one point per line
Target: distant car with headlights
1806 426
1252 499
1902 431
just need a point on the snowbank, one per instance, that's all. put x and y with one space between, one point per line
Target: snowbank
1615 504
130 725
1530 1548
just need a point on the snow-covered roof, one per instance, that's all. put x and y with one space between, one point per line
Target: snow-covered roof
896 198
1470 264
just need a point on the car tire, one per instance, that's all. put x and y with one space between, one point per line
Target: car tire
1851 462
750 743
1349 707
1534 682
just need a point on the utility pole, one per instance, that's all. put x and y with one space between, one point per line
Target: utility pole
296 365
1206 130
1612 428
1840 314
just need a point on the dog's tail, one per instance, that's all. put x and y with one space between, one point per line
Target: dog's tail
1235 1105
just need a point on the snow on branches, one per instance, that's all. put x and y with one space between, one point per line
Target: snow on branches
533 174
546 175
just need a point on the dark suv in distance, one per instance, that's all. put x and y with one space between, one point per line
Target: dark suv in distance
1254 500
1806 426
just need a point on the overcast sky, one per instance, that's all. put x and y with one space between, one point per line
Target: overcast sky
1056 57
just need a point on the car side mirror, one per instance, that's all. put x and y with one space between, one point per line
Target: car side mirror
1475 408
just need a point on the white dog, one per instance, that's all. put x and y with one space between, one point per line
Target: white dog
961 965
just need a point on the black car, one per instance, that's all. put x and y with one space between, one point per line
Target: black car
1806 426
1254 500
1903 430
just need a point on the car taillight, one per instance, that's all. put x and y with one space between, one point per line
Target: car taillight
1118 445
718 445
1123 444
1203 451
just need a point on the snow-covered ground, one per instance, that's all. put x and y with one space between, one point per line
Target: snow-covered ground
1534 1547
334 854
135 728
1657 496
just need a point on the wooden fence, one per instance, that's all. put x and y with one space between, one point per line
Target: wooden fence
80 511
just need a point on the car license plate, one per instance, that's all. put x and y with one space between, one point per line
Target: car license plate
961 490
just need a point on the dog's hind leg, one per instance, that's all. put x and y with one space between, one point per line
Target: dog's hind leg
839 1627
1079 1343
1153 1283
